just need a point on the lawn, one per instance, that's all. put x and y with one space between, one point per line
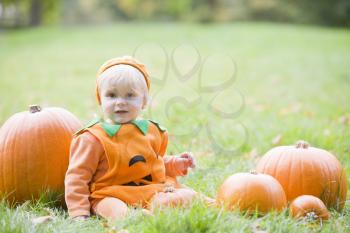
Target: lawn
226 92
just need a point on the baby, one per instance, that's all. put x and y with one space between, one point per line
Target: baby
119 160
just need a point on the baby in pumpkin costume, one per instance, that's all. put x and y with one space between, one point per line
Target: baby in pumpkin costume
120 160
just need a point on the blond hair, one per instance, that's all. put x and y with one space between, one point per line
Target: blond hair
124 76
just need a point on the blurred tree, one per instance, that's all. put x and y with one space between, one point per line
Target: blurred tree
36 12
329 12
30 12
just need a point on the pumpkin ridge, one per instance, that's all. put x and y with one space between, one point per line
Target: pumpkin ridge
302 179
17 143
11 146
277 167
272 201
59 120
2 182
328 186
289 156
27 159
7 143
53 126
340 189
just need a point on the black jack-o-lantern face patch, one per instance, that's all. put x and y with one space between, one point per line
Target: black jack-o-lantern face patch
136 159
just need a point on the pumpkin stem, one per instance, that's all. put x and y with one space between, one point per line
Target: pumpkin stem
302 144
34 108
254 172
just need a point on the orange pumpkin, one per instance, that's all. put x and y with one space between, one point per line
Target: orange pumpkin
34 152
302 169
308 205
252 192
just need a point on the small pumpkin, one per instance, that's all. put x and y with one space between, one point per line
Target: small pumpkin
308 206
252 192
305 170
34 152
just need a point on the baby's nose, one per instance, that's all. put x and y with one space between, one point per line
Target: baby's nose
120 101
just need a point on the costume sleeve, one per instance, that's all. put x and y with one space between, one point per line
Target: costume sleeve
85 153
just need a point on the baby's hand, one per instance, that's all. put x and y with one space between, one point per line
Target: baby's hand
191 162
185 161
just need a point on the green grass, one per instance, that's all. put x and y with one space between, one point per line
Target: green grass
294 82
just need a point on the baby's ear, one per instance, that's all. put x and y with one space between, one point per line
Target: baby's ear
145 101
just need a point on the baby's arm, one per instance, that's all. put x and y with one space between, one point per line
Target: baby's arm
85 153
178 165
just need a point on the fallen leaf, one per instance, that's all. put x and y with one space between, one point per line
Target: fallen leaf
277 140
42 219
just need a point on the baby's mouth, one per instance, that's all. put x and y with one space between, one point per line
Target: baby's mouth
121 111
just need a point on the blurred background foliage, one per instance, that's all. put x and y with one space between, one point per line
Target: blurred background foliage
26 13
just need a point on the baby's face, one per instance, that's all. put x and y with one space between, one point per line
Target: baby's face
120 105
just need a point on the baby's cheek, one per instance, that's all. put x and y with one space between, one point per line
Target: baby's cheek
136 107
136 103
107 108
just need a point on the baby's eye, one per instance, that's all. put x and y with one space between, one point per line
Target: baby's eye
110 95
130 95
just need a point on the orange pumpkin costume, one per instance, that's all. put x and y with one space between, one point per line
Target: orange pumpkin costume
130 165
124 161
136 167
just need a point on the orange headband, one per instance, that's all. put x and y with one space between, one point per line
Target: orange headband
126 60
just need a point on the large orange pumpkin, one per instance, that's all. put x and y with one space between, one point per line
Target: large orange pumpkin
302 169
252 192
305 205
34 152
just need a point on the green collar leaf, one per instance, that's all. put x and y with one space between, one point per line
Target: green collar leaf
160 127
142 125
112 129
